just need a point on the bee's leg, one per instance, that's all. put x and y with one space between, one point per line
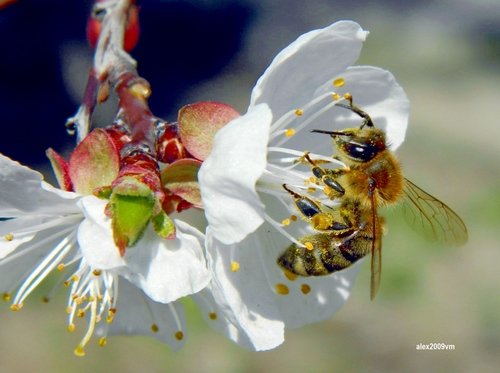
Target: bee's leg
306 206
327 177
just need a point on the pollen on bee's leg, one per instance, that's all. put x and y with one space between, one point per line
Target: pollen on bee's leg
282 289
309 246
290 275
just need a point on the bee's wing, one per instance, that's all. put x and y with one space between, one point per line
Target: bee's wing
431 217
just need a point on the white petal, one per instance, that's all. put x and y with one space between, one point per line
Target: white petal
22 192
95 236
10 239
243 297
375 91
221 318
250 297
315 57
138 315
14 268
168 269
228 176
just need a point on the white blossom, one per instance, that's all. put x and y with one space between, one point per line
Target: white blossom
251 216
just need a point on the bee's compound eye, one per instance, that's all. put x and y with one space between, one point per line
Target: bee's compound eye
362 152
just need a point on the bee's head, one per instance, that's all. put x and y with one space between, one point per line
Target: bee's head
358 144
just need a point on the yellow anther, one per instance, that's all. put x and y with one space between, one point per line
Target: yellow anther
305 289
60 267
235 266
309 246
80 313
79 351
69 310
212 316
282 289
66 283
348 96
335 96
339 82
154 328
9 237
102 341
16 307
179 335
6 296
96 272
290 275
299 112
312 180
111 315
293 217
311 190
75 278
289 132
71 328
45 299
285 222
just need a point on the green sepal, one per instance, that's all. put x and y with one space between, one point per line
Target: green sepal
164 226
132 204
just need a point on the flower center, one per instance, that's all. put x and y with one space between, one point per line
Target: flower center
289 170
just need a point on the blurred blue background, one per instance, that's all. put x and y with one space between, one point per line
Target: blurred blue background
446 54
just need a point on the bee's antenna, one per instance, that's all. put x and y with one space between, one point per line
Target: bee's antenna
331 133
367 119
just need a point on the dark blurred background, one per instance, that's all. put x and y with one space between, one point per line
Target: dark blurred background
446 54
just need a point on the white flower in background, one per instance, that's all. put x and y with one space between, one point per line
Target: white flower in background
251 217
49 230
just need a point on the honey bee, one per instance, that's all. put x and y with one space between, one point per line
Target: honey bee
372 178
